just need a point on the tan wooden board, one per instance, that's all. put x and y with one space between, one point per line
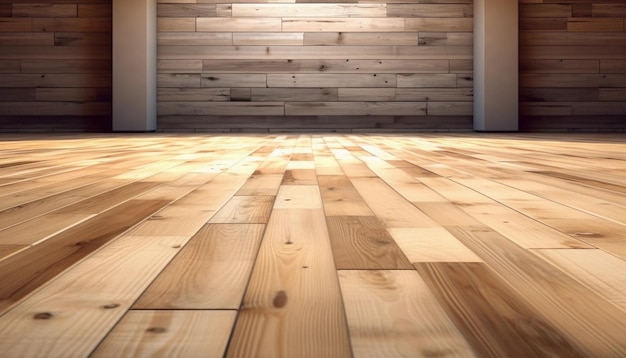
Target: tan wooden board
261 184
595 268
23 272
7 250
203 202
362 243
352 24
394 313
340 198
169 333
27 211
211 271
501 325
293 305
298 197
431 245
223 24
71 316
299 176
245 210
185 52
32 231
309 10
546 288
388 205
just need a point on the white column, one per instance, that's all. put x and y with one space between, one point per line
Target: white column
496 83
134 65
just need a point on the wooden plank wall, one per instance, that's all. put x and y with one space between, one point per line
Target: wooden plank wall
256 65
573 65
55 65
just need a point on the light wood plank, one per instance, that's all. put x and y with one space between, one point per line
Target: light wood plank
245 210
498 322
310 10
23 272
595 268
388 205
393 313
298 197
547 289
293 304
211 271
362 243
169 333
71 316
340 198
431 245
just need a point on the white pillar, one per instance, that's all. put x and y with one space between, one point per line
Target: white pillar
496 77
134 65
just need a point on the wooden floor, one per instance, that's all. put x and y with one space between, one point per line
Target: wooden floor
313 245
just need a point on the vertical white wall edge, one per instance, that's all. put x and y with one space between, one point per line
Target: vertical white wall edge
134 65
496 65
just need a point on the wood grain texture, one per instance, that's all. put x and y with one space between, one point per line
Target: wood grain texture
28 269
536 281
310 59
245 210
362 243
211 271
70 317
293 304
595 268
52 41
566 38
502 325
389 205
491 244
169 333
431 245
380 306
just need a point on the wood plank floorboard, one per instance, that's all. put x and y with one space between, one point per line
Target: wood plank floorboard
313 245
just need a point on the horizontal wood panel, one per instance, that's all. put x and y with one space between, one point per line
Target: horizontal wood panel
339 58
26 39
268 38
58 56
324 24
72 24
45 10
178 94
328 66
430 10
182 38
331 80
570 52
355 108
294 94
221 108
308 52
234 80
360 38
59 108
238 24
310 10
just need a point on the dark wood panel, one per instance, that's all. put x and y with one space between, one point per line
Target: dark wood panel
570 52
57 56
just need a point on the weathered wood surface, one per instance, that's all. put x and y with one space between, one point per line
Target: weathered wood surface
488 245
307 60
566 64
